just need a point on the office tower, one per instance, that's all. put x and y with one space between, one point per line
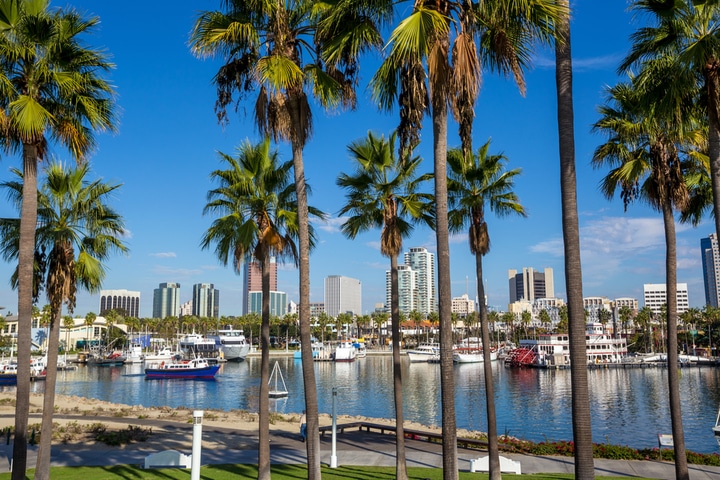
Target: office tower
423 262
655 296
166 300
127 301
530 285
206 300
253 280
342 295
278 303
711 269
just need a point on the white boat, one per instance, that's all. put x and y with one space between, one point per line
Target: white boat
716 428
134 354
471 355
197 345
162 355
424 352
231 343
277 383
345 352
197 368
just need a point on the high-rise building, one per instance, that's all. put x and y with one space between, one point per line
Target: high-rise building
206 300
423 262
711 269
655 296
462 305
416 283
342 295
531 285
253 280
186 309
278 303
166 300
124 300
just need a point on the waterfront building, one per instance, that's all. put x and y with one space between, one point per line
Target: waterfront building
166 300
655 296
711 269
342 295
125 300
593 305
530 284
407 291
253 280
463 305
206 300
631 303
278 303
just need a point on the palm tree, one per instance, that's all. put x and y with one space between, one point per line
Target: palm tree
476 182
51 88
79 230
257 207
68 324
266 46
382 193
582 432
644 151
89 322
687 33
453 75
625 314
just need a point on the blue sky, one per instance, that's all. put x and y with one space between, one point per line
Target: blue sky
168 138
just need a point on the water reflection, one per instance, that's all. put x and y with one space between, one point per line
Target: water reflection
628 406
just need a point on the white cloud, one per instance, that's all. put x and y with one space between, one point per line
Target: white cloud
164 255
332 225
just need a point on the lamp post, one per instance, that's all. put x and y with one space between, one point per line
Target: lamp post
196 445
333 451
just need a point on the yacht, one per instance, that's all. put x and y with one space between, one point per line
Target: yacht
345 352
231 343
425 352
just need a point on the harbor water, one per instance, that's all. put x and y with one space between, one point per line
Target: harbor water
629 406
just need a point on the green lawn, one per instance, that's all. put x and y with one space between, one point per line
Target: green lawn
279 472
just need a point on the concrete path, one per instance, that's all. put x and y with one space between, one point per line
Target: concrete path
353 447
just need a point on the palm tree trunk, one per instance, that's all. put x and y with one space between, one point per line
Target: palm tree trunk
400 463
28 222
42 466
493 447
264 400
308 368
681 466
712 82
582 432
447 379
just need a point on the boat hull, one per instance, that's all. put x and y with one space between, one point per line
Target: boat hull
201 373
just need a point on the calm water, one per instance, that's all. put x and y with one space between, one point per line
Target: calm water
629 407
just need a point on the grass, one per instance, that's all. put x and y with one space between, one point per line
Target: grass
279 472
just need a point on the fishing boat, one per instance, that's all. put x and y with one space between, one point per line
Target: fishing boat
277 383
197 368
134 354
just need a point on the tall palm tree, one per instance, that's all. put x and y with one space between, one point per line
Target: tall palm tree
645 150
445 37
257 207
51 89
89 322
686 32
79 230
478 182
269 47
582 431
383 193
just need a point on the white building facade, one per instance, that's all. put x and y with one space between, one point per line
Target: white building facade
655 296
124 300
342 295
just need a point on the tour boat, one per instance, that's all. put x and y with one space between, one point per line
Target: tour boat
232 344
197 368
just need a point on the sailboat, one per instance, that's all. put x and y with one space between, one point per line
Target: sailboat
277 383
716 428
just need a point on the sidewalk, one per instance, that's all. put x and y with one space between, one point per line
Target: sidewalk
353 447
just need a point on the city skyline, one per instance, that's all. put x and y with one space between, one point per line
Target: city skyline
168 139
